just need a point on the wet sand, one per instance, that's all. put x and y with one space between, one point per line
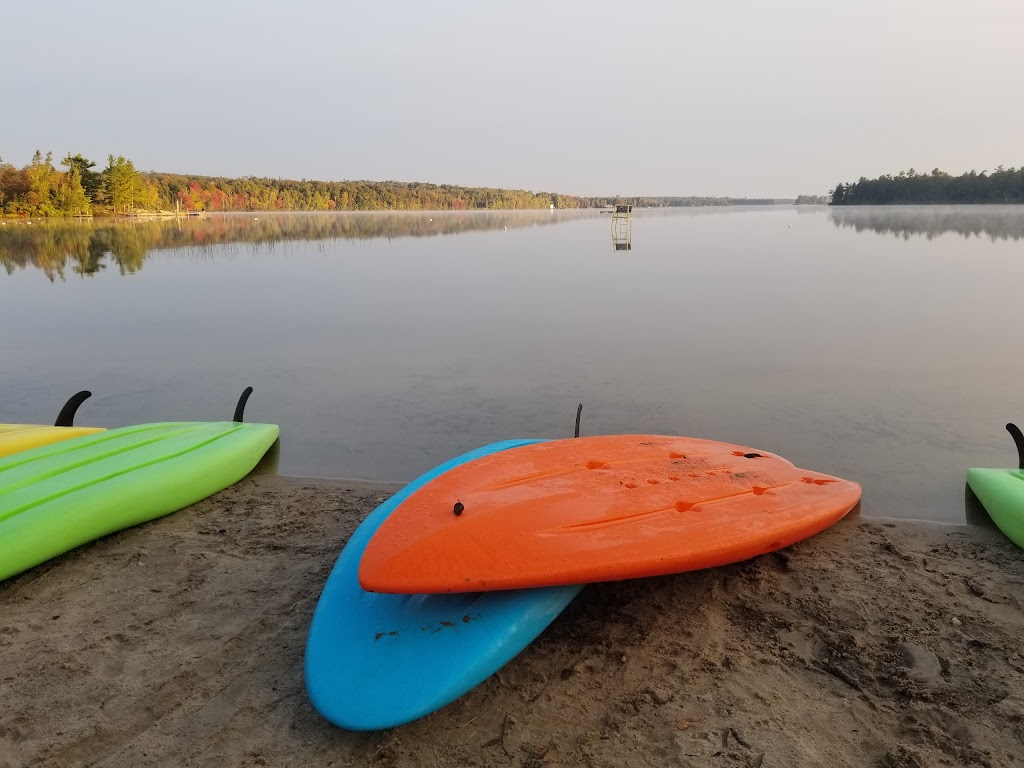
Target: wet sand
180 642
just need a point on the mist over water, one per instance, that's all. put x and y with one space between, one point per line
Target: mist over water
874 344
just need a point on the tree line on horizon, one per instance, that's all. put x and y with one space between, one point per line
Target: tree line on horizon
1003 185
811 200
42 189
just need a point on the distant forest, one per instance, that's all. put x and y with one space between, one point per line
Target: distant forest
688 202
1003 185
40 189
811 200
76 188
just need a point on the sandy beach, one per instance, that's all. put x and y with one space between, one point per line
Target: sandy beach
180 642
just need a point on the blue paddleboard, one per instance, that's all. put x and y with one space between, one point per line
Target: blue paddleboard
375 661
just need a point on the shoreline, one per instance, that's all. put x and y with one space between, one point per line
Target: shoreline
974 513
180 642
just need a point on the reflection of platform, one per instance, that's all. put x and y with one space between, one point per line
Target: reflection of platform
622 228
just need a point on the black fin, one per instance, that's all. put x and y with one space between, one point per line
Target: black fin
579 412
66 417
1018 440
240 408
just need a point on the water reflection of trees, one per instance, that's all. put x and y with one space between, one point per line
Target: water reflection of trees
86 247
994 222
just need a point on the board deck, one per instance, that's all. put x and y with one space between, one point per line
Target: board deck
15 438
597 509
57 497
377 661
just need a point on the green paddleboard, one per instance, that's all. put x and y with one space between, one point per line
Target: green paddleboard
57 497
1001 492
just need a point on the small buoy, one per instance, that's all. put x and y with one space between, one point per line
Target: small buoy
457 510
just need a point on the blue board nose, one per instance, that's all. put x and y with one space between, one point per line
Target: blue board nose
376 661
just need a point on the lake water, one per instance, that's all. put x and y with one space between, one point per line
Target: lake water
875 344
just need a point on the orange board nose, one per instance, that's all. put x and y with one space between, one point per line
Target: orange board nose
598 509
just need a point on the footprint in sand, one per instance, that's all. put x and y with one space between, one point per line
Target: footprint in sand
923 666
110 668
7 635
112 663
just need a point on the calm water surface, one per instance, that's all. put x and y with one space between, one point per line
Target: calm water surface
875 344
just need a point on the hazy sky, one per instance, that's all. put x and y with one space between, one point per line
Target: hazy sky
717 97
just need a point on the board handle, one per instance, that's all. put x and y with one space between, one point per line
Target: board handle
1018 440
66 417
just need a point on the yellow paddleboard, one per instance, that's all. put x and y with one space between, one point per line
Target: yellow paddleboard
21 437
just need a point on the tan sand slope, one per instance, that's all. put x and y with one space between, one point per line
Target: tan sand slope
180 643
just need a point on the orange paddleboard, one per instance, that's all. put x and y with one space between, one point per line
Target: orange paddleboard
597 509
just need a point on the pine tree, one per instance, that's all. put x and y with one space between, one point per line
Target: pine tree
122 183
